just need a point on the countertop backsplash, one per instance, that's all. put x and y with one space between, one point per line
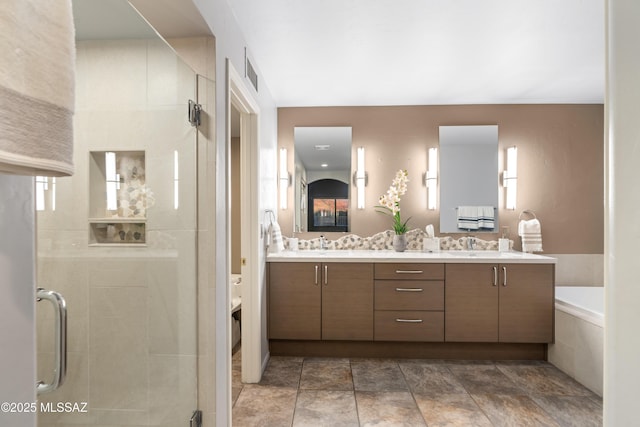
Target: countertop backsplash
384 241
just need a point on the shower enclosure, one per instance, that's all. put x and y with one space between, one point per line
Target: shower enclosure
118 239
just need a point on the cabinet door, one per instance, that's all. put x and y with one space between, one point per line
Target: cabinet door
471 303
294 300
347 301
526 303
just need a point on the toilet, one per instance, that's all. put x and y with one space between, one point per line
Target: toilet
235 292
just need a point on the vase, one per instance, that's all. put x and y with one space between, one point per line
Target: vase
399 242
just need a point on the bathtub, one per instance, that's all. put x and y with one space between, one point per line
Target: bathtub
579 334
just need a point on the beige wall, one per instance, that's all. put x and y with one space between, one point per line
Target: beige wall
560 163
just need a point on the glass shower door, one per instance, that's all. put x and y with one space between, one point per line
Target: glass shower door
118 240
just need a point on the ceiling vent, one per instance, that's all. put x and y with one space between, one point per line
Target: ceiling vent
250 72
324 147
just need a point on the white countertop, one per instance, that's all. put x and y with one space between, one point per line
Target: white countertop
478 256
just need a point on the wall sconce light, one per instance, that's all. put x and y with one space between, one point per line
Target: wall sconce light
285 178
360 177
431 178
510 177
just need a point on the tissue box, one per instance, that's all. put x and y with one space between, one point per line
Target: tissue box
431 244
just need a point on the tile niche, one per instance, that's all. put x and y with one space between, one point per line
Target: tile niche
117 198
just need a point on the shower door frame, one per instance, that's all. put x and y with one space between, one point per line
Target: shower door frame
176 351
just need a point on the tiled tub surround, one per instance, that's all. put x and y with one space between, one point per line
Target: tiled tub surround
384 241
579 335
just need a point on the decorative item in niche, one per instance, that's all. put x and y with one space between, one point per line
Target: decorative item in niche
118 198
118 232
390 205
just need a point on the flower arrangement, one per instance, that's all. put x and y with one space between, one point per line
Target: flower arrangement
390 202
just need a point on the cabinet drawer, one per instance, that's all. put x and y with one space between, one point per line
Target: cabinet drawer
409 271
409 326
405 295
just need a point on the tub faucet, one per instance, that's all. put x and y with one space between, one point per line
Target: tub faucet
471 243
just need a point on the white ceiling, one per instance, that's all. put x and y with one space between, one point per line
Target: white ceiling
421 52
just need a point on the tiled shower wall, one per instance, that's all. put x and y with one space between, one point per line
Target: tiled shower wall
131 310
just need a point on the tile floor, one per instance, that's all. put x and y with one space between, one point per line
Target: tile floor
297 391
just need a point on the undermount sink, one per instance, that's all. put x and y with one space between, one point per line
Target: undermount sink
482 254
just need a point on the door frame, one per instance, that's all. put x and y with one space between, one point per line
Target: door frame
239 96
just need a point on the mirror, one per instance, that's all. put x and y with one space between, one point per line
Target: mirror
469 179
322 176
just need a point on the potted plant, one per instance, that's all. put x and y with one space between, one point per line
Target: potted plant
390 205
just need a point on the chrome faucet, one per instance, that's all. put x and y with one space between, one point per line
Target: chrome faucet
323 242
471 243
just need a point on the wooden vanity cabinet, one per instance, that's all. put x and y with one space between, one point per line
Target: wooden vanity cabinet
409 302
294 301
509 303
321 301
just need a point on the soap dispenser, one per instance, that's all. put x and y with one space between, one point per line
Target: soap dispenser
504 244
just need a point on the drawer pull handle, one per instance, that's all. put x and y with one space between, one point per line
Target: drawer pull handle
326 274
495 276
504 270
409 289
316 282
409 271
409 320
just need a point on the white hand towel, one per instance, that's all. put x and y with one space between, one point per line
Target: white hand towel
531 234
37 83
486 217
468 217
277 245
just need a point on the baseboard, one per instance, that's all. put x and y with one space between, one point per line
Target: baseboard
409 350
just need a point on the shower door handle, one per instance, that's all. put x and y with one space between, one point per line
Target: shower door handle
60 360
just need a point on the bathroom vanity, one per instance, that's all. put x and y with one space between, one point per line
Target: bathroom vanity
452 304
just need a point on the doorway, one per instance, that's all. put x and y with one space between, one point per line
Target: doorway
240 99
235 255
